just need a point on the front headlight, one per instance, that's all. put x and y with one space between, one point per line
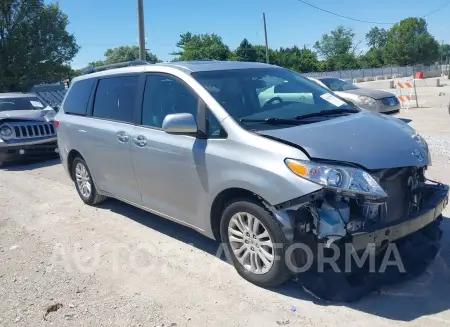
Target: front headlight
368 101
348 181
5 132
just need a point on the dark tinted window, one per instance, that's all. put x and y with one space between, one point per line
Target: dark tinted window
253 95
214 128
78 97
29 103
166 95
115 98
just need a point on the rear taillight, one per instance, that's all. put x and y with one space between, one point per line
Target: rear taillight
56 123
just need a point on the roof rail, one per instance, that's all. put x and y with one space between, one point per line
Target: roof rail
117 65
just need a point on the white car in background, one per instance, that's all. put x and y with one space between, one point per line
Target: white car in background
370 99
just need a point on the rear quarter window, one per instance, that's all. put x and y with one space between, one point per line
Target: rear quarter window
77 98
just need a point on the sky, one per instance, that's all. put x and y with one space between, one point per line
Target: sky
102 24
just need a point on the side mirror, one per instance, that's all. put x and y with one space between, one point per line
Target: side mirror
56 108
183 123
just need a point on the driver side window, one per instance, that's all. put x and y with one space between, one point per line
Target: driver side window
165 95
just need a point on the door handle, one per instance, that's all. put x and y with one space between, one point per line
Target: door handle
123 137
140 141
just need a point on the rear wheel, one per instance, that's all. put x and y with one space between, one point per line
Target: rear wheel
84 184
255 243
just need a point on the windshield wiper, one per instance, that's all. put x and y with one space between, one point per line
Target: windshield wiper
328 112
272 121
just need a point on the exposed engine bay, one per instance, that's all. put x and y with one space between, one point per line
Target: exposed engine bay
409 217
336 216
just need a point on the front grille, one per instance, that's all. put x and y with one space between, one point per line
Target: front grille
390 102
26 130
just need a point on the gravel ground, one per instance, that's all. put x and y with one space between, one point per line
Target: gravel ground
118 266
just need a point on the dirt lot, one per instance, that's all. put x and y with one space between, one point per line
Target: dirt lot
118 266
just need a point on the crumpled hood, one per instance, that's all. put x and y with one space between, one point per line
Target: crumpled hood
376 94
371 140
46 114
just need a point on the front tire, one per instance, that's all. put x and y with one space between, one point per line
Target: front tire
255 243
84 184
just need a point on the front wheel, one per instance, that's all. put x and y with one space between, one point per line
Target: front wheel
84 183
255 243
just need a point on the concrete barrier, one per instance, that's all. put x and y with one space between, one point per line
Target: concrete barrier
380 78
368 79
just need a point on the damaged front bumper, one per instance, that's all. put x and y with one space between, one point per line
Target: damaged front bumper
415 237
431 209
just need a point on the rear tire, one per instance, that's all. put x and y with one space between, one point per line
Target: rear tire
249 247
84 183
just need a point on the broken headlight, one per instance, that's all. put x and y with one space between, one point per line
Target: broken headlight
347 181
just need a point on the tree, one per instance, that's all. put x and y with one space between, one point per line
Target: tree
338 49
374 58
122 54
376 38
445 51
338 42
300 60
245 51
35 46
201 47
127 53
409 43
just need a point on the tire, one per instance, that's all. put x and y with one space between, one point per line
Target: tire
92 197
278 273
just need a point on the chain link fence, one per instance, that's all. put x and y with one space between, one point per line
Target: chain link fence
384 72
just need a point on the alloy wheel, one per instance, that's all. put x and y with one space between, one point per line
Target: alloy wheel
251 243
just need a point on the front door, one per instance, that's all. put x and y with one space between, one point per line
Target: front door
109 136
166 165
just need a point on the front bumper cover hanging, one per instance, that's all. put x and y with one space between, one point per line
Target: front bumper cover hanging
417 239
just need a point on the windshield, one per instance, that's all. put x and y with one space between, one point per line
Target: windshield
266 93
22 103
336 84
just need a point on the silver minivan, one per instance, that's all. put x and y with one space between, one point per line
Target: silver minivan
204 144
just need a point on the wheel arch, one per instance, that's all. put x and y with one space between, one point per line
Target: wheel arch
220 202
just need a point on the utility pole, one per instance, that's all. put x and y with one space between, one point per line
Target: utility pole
142 54
442 52
265 37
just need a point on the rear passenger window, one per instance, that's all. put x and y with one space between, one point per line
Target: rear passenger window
115 98
77 98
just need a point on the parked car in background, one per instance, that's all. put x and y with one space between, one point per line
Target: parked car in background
26 128
370 99
213 146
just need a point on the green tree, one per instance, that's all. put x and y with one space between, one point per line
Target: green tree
374 58
300 60
409 43
35 46
376 38
201 47
122 54
445 51
126 53
245 52
338 49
